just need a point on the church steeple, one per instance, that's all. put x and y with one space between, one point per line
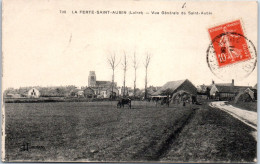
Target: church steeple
92 79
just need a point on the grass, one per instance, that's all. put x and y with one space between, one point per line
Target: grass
87 131
213 135
97 131
251 106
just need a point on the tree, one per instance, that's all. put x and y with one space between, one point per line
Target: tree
135 65
124 64
146 65
112 61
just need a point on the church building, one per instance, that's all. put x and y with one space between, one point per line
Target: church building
101 88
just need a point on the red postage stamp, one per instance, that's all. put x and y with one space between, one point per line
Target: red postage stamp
229 43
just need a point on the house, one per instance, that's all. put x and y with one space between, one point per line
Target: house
89 92
175 86
33 93
225 84
226 91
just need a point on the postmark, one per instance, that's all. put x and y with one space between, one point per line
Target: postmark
230 54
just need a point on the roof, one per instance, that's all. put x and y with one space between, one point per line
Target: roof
158 96
224 84
89 88
103 83
231 89
170 85
105 88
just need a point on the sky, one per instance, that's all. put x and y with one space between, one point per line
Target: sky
43 47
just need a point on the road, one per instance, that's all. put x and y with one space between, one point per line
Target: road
247 117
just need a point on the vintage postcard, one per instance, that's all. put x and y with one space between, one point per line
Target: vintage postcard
129 81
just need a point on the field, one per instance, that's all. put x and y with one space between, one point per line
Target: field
251 106
98 131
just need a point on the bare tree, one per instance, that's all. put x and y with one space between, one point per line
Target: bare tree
135 66
146 64
113 63
124 64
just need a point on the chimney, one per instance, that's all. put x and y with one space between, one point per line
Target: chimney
213 82
233 82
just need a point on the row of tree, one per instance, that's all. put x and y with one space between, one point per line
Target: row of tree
55 91
113 62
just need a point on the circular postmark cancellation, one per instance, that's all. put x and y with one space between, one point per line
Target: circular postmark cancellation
230 54
230 63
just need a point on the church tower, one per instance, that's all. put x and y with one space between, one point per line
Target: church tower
92 79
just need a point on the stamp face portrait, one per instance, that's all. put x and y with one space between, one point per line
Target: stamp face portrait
229 43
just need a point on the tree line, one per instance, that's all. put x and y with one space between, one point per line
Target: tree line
55 91
114 61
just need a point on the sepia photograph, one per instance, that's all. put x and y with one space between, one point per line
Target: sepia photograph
129 81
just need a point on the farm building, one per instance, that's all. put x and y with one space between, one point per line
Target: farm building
33 93
227 91
175 86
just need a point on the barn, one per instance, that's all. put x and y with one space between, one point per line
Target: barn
175 86
33 93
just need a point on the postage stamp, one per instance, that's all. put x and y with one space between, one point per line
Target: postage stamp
230 54
229 43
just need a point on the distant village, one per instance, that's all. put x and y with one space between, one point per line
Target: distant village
106 89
